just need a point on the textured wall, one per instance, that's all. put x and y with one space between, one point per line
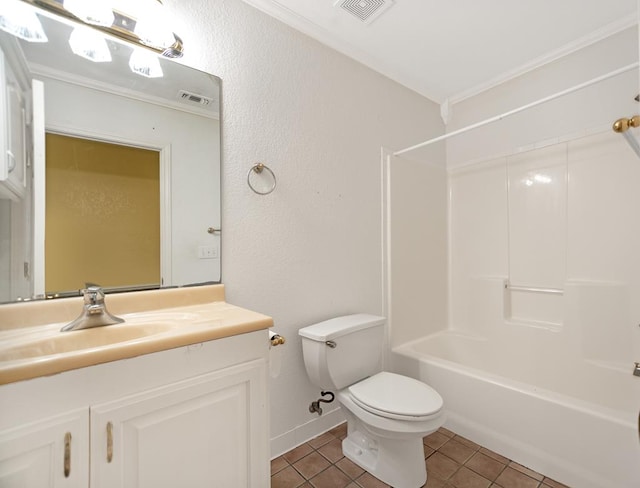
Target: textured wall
312 249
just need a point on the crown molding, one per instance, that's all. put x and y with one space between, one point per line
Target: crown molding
572 47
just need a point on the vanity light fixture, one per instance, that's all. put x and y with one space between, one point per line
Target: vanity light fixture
145 63
94 12
153 27
21 21
89 44
142 22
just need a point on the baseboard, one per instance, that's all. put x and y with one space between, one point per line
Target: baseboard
302 433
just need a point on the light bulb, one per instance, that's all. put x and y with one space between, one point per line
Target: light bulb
145 63
19 19
89 44
152 25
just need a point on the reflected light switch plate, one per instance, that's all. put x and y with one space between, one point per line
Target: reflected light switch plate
207 252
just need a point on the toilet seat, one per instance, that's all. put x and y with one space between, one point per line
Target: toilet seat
397 397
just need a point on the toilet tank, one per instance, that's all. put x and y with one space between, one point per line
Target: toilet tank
359 343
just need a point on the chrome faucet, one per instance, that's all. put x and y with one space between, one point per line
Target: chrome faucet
94 312
636 370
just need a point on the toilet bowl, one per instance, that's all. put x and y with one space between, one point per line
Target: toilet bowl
387 414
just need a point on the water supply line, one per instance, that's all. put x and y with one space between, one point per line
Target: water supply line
622 126
315 406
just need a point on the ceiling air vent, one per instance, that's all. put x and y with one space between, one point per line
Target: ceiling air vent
365 10
194 98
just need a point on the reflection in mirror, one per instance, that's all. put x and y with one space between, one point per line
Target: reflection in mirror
79 200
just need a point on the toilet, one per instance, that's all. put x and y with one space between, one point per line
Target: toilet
387 414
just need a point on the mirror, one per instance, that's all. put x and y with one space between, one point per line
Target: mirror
50 92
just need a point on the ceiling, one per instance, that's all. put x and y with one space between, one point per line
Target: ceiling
452 49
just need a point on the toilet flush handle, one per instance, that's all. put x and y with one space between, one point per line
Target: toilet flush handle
331 344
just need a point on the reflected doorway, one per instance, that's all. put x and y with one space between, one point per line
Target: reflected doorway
102 219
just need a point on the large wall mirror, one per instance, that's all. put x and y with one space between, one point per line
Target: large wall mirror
110 170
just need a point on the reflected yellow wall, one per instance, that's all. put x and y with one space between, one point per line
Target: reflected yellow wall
102 214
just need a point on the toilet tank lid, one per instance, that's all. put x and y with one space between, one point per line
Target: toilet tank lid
336 327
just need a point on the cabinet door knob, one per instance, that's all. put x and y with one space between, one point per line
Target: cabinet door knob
67 454
109 442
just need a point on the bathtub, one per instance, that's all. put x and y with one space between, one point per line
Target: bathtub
574 421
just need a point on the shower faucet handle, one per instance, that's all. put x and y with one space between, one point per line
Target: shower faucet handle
636 369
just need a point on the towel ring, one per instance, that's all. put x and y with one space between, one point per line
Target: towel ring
258 168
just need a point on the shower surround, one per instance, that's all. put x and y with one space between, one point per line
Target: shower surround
544 308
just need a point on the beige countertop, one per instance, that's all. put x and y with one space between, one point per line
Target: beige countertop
31 344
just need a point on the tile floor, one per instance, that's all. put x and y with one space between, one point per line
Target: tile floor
452 462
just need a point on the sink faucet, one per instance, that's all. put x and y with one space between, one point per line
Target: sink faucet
94 312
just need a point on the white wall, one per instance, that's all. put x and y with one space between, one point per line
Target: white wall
311 249
418 249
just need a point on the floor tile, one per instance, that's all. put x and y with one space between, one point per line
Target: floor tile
339 431
369 481
466 442
530 473
435 440
287 478
510 478
552 483
278 464
330 478
348 467
297 453
427 451
457 451
311 465
494 455
441 466
465 478
452 462
321 440
433 482
332 450
446 432
485 466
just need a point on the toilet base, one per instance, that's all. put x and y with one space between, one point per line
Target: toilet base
399 463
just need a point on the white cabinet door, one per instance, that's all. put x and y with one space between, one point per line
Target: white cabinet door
13 165
53 453
194 433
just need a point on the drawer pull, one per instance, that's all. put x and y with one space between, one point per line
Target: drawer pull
109 442
67 454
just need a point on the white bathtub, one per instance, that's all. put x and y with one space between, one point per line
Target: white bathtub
574 421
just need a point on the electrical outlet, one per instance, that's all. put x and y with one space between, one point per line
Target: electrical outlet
207 252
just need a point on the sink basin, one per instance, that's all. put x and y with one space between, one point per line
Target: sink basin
47 341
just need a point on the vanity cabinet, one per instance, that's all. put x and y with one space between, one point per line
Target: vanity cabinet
194 433
194 416
52 453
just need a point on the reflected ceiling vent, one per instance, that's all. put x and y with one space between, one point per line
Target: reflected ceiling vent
365 10
194 98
